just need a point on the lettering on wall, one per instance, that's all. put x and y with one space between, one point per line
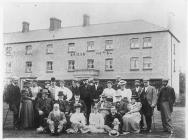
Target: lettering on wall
97 53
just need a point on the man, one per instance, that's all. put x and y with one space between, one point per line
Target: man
12 97
54 89
96 90
116 86
109 91
44 107
74 88
137 90
66 91
166 99
35 89
148 100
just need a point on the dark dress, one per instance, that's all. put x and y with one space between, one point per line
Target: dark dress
27 112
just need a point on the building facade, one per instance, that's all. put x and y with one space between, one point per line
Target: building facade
131 50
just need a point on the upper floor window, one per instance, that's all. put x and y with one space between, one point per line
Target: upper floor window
109 64
90 63
28 67
147 63
134 44
71 47
8 66
49 66
134 63
49 49
8 50
147 42
108 45
71 65
90 46
28 50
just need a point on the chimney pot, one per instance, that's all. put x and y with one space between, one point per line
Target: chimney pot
86 21
25 26
55 24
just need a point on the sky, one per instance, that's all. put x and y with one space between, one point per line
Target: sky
71 14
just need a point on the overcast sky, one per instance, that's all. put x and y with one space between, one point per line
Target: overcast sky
155 11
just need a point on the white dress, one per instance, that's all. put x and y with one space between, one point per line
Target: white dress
35 91
109 92
125 93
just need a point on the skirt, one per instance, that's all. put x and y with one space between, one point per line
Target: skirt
27 114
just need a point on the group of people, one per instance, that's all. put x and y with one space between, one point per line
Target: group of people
87 107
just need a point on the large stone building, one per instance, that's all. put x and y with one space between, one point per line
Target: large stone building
133 50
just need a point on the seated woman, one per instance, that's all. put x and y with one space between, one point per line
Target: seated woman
131 119
56 120
96 121
27 112
78 121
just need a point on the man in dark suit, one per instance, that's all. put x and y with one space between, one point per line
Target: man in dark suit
148 99
166 99
96 90
12 97
137 90
74 88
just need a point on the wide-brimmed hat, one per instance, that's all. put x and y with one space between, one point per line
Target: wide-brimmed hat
165 80
137 81
109 98
60 93
110 82
122 82
114 133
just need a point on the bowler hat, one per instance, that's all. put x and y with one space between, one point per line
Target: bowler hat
53 79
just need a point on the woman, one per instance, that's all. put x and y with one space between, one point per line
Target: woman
131 119
27 112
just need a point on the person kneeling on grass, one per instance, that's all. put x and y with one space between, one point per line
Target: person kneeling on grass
56 120
78 121
131 119
96 121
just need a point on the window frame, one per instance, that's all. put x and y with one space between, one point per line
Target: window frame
70 51
109 69
91 65
47 70
131 42
70 70
26 50
47 52
134 69
26 67
90 50
150 68
8 54
107 44
145 47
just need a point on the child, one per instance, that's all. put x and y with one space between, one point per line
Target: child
78 121
56 120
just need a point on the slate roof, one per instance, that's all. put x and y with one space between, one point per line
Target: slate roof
93 30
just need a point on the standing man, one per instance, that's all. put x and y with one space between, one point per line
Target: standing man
67 92
166 99
137 90
96 90
148 99
12 97
74 88
116 86
54 90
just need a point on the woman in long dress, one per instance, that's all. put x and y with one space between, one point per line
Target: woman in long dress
131 120
27 112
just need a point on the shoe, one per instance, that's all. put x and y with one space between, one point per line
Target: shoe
136 132
171 132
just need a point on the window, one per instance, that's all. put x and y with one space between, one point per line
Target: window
109 64
8 67
147 63
28 50
147 42
90 46
90 63
174 49
134 43
174 65
71 47
28 67
49 66
108 45
8 50
134 63
71 65
49 49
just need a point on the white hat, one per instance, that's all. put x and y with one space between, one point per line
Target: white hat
122 82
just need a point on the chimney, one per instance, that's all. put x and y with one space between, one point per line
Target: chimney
55 24
25 26
85 20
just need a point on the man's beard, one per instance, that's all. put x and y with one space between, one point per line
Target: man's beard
56 113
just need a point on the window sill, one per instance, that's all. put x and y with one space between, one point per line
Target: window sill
109 49
135 48
28 71
49 53
90 50
109 69
134 69
71 51
49 71
28 54
147 47
147 68
70 70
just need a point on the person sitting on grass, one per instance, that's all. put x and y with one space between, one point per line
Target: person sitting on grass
113 123
56 120
78 121
131 119
96 121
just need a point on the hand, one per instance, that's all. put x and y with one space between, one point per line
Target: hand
32 98
41 112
